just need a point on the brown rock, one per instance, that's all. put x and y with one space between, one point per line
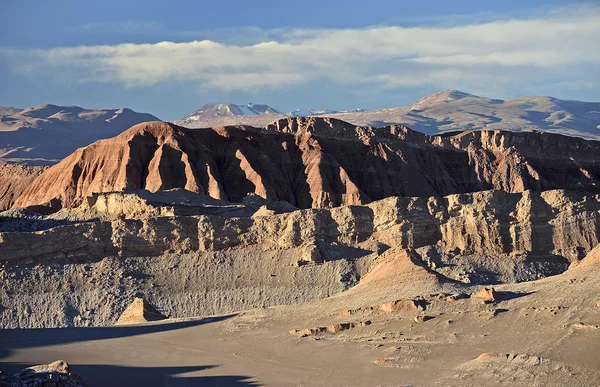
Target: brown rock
14 179
311 255
421 319
334 328
581 325
400 306
139 311
485 294
58 373
456 297
492 356
384 360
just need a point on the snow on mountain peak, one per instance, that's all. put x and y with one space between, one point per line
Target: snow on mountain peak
215 110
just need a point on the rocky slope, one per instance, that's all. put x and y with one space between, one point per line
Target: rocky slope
7 110
14 179
42 135
316 162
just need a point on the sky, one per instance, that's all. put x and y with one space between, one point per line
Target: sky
169 58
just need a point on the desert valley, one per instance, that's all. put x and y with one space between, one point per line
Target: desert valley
363 222
311 246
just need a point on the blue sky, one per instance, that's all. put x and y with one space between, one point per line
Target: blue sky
169 58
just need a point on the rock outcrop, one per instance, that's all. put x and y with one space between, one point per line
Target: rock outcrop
138 312
316 162
56 374
486 295
491 230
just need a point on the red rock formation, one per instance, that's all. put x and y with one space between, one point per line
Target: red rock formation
317 162
14 178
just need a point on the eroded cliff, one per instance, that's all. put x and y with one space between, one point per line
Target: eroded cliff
316 162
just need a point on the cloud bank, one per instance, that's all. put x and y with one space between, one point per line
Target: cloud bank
560 47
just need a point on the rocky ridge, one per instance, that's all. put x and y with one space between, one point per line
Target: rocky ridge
316 162
84 271
556 226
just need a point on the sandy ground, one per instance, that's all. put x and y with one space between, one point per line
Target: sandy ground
546 332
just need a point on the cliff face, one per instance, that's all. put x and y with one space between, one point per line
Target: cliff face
317 162
554 227
192 263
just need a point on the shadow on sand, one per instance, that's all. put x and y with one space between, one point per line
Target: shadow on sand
506 295
111 375
11 339
107 375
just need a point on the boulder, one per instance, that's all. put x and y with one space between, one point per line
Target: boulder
400 306
56 374
486 294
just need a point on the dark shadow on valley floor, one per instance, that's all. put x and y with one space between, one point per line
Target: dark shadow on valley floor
13 339
506 295
114 376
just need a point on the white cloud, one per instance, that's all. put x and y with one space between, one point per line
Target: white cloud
557 46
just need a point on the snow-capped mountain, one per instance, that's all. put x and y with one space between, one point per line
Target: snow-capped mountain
215 110
219 114
441 112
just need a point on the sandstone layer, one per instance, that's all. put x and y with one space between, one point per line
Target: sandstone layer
85 272
556 224
316 162
489 228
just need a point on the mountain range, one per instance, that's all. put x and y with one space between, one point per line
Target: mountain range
215 114
45 134
442 112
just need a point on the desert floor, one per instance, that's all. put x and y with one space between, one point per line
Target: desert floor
542 333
